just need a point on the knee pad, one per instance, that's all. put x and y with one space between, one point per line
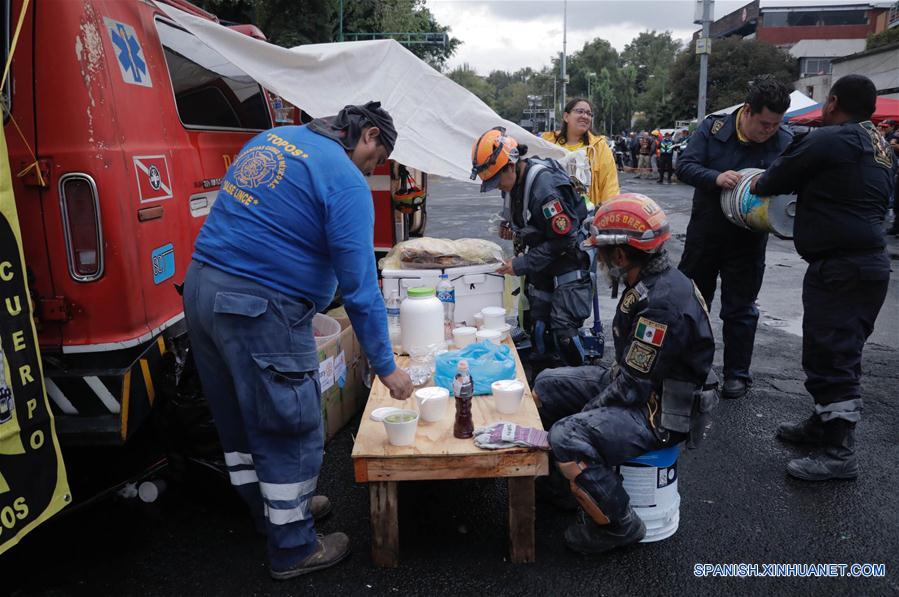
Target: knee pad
571 349
571 470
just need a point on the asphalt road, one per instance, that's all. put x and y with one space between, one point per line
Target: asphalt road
737 506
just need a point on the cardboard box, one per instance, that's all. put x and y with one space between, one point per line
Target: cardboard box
341 365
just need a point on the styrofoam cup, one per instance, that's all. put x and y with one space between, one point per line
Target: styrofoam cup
488 334
401 432
494 317
504 332
507 394
432 403
464 336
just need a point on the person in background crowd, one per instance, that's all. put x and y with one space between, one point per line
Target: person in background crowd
293 219
843 174
666 158
890 133
751 137
577 133
633 147
656 143
646 149
680 144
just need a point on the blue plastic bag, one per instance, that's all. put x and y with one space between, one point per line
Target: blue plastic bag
487 363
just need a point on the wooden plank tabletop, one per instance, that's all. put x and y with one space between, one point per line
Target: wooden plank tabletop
436 454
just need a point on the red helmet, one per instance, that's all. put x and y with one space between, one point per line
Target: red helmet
630 219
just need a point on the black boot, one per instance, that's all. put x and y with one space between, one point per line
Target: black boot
808 431
588 537
836 461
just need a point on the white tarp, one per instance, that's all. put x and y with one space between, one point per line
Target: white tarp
437 120
798 101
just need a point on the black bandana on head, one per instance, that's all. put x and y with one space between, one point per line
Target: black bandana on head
346 127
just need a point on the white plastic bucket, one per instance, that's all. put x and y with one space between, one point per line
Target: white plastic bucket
651 482
324 328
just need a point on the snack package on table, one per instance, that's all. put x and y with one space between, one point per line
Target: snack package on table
487 363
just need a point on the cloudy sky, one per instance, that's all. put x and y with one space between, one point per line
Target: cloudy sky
512 34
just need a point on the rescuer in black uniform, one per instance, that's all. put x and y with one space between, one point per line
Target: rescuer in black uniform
546 215
658 390
842 173
751 137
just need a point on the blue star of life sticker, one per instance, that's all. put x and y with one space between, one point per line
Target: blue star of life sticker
129 53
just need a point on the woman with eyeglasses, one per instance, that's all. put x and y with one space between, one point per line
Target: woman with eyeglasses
577 133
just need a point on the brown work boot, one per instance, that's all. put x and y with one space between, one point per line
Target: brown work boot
319 507
331 550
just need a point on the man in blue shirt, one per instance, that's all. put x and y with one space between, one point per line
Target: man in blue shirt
294 218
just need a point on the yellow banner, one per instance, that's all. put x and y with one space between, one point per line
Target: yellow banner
33 483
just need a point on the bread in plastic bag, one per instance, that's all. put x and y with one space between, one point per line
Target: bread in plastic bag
439 253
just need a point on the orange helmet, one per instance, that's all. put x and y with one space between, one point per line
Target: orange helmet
490 154
630 219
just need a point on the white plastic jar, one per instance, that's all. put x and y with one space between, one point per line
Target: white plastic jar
421 319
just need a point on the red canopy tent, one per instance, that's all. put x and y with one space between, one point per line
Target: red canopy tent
886 108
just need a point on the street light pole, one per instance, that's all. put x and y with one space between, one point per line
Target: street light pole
564 51
704 59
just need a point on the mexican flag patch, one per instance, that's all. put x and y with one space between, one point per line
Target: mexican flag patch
650 332
552 208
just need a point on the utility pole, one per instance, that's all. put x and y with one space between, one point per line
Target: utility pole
340 34
564 52
704 48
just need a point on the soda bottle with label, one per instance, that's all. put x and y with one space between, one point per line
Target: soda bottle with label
463 390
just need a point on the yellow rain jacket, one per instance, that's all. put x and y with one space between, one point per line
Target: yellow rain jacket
602 163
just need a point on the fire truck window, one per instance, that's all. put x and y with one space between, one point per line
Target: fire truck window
210 92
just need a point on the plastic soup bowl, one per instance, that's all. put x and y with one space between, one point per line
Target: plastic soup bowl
464 336
491 335
494 317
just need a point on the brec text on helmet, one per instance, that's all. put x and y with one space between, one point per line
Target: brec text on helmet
618 220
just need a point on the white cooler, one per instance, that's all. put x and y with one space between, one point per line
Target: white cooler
477 286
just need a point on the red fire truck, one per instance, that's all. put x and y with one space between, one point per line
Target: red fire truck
130 124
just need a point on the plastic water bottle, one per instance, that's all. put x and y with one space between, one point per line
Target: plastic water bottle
446 292
393 320
463 391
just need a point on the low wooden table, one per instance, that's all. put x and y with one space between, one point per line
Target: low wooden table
437 455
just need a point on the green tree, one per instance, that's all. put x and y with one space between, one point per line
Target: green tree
884 38
650 53
478 85
291 23
733 63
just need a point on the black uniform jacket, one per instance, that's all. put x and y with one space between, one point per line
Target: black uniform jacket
662 331
843 176
549 224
